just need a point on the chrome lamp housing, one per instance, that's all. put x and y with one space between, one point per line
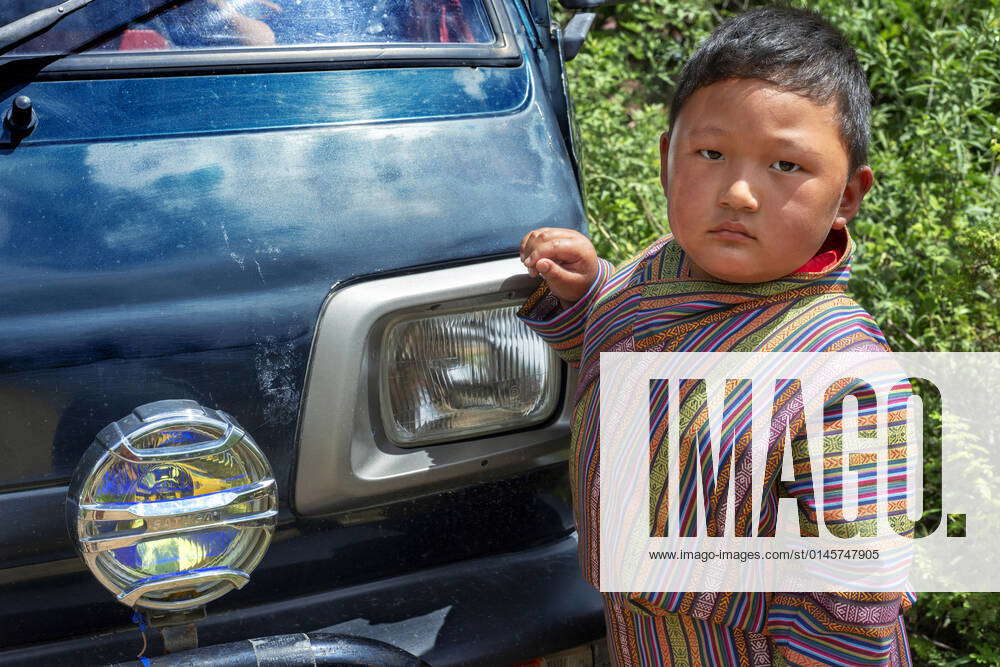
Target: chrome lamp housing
172 506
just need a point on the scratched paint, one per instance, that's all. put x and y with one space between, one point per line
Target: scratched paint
190 262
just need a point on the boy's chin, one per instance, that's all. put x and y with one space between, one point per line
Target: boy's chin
733 272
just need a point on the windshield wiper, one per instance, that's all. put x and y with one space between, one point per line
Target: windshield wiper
43 19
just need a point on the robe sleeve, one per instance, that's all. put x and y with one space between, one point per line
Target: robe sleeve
563 328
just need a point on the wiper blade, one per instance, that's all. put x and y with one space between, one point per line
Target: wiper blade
43 19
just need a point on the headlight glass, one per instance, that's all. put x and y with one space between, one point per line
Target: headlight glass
454 375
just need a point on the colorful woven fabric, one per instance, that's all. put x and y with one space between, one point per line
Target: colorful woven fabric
651 303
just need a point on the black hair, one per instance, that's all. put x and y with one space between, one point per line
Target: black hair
794 49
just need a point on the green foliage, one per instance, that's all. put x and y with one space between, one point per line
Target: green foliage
929 231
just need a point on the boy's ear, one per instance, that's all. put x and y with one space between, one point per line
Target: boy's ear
857 187
664 150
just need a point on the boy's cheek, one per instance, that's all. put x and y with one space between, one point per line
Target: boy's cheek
691 179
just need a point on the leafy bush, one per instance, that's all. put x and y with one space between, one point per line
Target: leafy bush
928 233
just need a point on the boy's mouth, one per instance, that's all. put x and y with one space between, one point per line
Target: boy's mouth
731 230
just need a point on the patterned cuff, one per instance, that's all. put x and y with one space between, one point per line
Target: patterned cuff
563 328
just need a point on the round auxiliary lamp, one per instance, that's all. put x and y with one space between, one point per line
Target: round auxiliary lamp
172 507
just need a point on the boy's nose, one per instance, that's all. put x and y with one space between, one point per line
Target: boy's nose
739 196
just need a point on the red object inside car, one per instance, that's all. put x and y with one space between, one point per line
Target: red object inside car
142 40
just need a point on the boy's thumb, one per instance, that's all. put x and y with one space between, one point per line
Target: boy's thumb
551 271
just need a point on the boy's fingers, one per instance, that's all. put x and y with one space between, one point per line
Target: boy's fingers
557 250
523 247
535 238
552 242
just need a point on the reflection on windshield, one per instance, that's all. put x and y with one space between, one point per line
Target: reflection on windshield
214 24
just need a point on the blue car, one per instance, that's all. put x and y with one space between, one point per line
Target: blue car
262 392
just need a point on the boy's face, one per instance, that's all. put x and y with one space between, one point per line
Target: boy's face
755 178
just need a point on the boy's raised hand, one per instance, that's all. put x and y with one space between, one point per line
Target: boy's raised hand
565 258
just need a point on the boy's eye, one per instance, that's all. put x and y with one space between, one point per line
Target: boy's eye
785 166
709 154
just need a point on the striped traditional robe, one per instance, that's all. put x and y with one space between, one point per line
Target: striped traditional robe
652 304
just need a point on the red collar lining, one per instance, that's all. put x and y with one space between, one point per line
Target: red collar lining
828 255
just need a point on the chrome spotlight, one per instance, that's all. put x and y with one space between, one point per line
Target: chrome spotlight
172 506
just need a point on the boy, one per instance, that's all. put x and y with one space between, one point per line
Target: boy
763 166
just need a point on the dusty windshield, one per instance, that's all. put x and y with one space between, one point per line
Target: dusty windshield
224 24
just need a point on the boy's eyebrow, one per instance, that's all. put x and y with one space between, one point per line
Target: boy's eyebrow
792 144
709 129
784 142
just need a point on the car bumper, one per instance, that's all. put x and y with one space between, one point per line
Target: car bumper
488 611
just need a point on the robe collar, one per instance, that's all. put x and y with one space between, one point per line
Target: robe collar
673 304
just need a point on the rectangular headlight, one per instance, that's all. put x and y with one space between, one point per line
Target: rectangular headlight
460 374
